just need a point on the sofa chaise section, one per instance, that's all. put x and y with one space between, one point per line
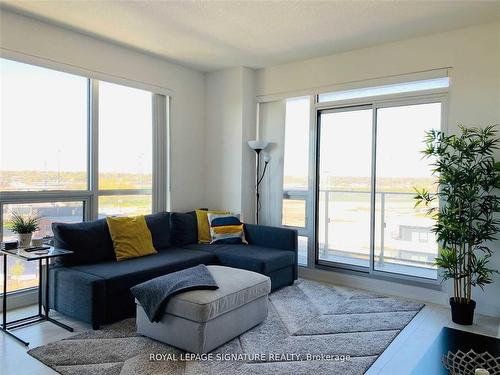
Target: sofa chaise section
271 251
278 264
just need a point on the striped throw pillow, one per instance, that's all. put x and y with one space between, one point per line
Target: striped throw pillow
226 229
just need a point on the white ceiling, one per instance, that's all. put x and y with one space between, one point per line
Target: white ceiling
209 35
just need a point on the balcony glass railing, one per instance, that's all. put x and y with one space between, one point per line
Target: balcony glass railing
403 239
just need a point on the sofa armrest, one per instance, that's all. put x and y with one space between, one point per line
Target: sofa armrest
274 237
78 294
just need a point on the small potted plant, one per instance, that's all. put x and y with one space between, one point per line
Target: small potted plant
466 220
24 226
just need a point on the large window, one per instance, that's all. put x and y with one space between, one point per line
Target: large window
75 148
296 200
354 207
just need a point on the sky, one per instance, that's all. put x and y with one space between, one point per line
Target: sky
44 122
296 159
346 141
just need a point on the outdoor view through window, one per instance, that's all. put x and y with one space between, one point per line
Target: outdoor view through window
350 153
344 191
45 143
43 146
403 240
125 149
296 170
43 129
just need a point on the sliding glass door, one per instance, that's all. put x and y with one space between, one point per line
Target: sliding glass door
404 242
344 177
368 166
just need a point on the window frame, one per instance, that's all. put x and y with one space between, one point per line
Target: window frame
159 148
160 121
395 93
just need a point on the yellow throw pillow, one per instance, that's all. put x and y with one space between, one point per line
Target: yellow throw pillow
131 237
203 224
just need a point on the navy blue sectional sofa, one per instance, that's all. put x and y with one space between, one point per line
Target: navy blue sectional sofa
90 285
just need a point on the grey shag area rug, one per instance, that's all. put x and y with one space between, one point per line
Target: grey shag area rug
312 328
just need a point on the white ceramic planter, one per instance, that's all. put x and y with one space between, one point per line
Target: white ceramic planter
24 239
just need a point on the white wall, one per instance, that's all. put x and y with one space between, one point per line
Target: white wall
31 37
249 129
230 121
474 99
271 129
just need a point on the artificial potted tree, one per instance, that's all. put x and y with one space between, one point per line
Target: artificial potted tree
465 221
24 226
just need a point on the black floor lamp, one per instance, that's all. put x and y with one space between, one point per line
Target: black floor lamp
259 146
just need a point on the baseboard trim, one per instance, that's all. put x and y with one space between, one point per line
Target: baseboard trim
421 294
376 285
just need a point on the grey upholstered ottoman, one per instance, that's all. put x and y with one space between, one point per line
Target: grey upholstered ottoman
199 321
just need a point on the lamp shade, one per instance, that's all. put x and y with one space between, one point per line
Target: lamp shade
258 145
267 157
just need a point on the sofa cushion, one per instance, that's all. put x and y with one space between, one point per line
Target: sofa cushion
254 258
183 228
131 237
90 241
159 226
121 276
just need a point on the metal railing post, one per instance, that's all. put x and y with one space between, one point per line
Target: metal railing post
327 204
382 227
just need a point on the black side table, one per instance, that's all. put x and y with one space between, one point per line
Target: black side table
52 252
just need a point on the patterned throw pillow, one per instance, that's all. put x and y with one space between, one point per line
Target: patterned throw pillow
226 229
204 224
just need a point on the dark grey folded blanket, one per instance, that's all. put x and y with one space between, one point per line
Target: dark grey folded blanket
155 293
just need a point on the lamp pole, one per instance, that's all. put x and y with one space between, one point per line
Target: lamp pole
258 146
257 183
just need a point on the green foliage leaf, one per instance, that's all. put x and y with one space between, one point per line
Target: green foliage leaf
24 224
467 175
